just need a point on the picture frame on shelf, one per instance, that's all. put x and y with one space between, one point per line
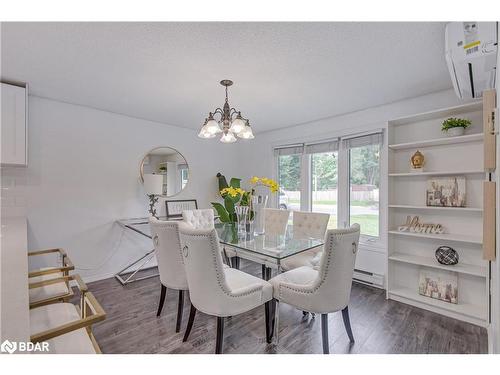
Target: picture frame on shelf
441 285
446 191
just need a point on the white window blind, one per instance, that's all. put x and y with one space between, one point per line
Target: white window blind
320 147
364 140
289 150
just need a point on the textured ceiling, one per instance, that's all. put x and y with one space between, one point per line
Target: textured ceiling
285 73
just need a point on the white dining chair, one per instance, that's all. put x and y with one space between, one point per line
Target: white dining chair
275 223
325 290
275 220
205 219
199 219
167 246
307 225
216 290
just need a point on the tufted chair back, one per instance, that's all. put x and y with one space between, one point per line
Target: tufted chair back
199 219
333 285
275 221
208 289
167 246
309 224
331 289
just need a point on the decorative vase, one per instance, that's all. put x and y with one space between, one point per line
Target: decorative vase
259 202
455 132
241 218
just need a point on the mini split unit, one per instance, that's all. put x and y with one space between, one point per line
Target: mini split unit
471 55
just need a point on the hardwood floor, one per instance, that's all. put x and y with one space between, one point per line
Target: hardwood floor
379 326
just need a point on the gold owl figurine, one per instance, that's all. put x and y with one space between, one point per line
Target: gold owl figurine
417 161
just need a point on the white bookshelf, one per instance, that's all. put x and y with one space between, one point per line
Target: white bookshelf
409 252
439 141
435 208
436 173
445 237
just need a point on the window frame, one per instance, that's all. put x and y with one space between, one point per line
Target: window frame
343 188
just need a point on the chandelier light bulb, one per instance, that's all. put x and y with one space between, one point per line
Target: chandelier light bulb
205 134
238 125
247 132
212 127
228 138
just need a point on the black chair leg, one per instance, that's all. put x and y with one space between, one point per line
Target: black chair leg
347 323
226 258
180 307
264 272
220 335
236 262
162 299
324 333
192 314
269 330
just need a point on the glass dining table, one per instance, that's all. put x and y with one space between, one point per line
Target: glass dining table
268 249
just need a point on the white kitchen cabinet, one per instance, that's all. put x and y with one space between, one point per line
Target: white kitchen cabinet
14 134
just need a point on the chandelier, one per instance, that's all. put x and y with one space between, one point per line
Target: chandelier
231 124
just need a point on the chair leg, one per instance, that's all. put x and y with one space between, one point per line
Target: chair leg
266 272
226 258
236 262
180 307
347 323
220 335
162 299
324 333
192 314
268 309
276 325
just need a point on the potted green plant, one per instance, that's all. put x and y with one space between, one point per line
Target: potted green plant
233 195
455 126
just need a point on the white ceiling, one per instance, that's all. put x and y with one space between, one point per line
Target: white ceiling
285 73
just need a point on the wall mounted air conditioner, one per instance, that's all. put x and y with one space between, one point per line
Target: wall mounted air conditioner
471 55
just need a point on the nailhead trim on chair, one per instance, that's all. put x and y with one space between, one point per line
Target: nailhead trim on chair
338 235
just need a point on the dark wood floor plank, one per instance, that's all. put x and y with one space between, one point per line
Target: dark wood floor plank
379 325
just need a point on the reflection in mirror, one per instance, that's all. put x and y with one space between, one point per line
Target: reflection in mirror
170 164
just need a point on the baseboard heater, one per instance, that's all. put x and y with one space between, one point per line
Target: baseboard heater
368 278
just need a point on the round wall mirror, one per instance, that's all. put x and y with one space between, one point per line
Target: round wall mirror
164 171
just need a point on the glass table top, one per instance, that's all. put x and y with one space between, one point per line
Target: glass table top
277 246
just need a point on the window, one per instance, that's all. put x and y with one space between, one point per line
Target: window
289 174
289 181
343 180
324 165
364 187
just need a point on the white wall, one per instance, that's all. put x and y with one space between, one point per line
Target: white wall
83 175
